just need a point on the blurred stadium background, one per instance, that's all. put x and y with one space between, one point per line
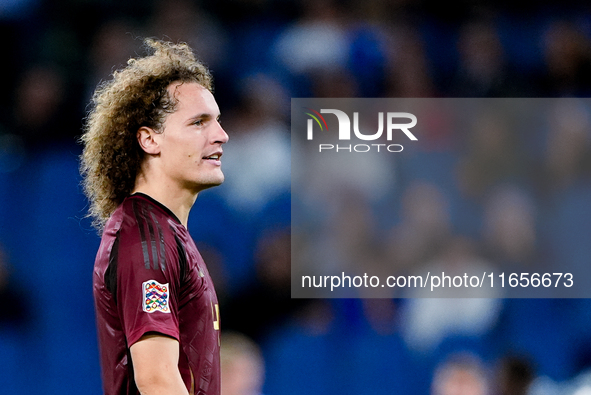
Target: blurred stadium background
261 53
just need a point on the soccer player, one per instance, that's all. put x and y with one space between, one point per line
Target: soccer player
152 142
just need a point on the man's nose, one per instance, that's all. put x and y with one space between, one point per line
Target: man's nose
221 136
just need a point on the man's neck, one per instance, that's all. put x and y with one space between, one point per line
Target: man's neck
177 201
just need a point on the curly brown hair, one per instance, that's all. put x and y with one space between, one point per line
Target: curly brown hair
136 96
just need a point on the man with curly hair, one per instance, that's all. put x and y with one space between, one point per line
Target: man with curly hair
152 142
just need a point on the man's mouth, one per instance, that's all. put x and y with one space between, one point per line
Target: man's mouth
214 158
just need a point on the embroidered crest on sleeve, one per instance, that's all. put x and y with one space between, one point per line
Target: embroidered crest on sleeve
156 297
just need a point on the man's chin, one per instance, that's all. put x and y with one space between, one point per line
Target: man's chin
209 184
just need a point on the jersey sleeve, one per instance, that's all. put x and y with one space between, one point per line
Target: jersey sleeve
148 285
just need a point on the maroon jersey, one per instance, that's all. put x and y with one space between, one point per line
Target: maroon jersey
149 277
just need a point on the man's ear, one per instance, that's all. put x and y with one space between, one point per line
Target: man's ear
148 140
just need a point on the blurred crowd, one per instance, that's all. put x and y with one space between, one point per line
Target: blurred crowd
481 194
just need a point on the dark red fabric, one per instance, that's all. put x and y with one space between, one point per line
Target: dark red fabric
143 242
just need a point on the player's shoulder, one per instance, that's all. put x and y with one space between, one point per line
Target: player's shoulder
141 213
144 232
141 206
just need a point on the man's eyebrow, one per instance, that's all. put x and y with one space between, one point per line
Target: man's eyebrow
203 116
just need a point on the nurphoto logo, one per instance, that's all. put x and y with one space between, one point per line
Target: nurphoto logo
392 124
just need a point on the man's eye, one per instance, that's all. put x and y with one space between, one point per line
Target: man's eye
199 122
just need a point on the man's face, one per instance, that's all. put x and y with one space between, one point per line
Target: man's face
191 139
